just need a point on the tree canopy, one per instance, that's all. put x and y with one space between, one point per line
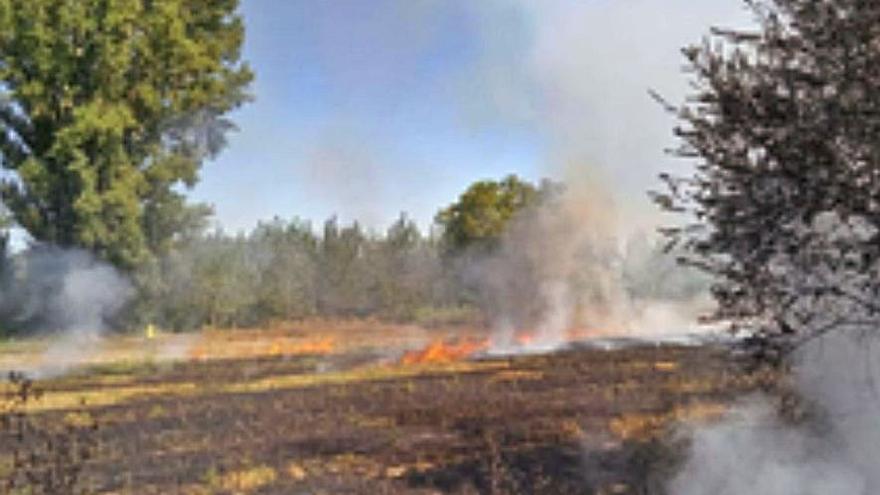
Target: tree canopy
783 124
107 108
481 214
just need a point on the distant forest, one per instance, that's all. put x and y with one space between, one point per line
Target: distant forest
288 270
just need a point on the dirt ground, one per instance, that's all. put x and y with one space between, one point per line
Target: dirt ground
297 416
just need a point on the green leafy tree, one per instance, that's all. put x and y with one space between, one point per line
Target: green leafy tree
107 107
481 214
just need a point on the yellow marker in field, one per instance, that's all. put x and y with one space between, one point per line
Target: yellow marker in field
151 331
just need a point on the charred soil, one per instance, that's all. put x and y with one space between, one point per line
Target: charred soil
579 421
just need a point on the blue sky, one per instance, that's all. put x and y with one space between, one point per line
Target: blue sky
368 108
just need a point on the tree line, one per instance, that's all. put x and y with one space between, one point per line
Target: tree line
285 270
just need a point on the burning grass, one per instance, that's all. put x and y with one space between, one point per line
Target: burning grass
350 421
441 351
316 337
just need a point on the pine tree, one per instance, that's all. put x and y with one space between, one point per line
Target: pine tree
107 108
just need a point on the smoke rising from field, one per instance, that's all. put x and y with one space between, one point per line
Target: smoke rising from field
566 269
69 296
580 74
755 452
360 176
342 167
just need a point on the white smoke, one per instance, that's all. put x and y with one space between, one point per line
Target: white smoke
67 295
579 73
564 270
754 452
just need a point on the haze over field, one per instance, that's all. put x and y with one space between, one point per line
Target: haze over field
457 246
366 110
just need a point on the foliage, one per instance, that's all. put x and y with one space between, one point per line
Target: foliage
284 270
107 108
287 270
480 215
343 284
288 275
786 198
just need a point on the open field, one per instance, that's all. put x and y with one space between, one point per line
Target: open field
291 412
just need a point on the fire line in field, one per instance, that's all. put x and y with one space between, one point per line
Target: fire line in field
447 350
440 351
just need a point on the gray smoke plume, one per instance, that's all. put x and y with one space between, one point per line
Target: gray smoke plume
837 448
67 295
580 72
566 269
754 452
361 176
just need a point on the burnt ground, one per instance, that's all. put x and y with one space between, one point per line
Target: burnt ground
580 421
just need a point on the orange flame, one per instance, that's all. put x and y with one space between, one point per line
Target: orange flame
445 352
524 338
